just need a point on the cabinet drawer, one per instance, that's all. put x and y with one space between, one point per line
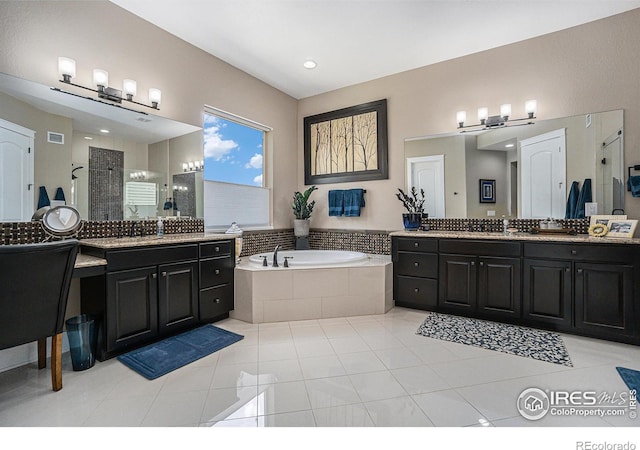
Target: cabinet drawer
417 291
216 271
417 264
586 252
148 256
416 244
215 301
479 248
217 248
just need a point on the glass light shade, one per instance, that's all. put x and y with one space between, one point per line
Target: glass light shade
66 66
483 113
130 87
155 95
531 107
100 77
191 165
505 110
461 117
185 166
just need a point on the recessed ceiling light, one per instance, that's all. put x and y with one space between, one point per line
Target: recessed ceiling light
104 131
88 138
508 145
310 64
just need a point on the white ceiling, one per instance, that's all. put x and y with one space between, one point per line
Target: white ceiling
357 40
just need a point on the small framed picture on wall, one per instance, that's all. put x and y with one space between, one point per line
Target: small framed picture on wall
487 191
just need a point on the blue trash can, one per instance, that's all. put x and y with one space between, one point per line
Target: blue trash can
83 336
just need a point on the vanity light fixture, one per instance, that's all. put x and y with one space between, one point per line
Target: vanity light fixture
486 121
67 70
193 166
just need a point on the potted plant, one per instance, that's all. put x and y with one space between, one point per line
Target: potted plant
302 209
414 205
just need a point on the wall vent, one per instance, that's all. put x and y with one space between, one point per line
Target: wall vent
55 138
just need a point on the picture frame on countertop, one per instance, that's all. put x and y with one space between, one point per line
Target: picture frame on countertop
605 219
621 228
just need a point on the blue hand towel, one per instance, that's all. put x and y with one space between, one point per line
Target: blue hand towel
633 184
43 199
583 197
59 195
336 202
572 202
353 201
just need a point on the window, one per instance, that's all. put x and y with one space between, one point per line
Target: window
234 181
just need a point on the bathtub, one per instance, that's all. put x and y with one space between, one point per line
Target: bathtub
318 284
308 258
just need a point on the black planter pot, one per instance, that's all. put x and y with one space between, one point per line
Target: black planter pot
412 221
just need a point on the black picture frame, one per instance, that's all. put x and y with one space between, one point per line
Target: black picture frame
487 191
363 154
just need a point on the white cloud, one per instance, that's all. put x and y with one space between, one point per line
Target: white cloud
258 180
255 162
215 146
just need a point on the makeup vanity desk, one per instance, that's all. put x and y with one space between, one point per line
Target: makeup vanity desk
579 284
143 289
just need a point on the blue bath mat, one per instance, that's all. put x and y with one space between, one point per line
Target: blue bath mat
160 358
630 377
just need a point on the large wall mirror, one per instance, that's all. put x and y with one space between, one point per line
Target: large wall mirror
523 171
110 162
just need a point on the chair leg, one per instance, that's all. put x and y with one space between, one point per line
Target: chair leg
42 353
56 362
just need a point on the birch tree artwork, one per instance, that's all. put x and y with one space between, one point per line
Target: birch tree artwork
345 145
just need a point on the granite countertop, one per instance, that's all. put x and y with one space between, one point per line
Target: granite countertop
145 241
519 236
83 261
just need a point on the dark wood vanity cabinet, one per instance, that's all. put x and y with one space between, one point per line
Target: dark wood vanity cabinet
415 271
476 280
588 288
152 292
574 287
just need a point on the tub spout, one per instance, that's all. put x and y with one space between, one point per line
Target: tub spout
275 256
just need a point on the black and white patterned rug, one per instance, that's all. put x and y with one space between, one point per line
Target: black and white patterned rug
515 340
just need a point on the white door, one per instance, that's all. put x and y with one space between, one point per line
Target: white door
427 172
16 173
543 176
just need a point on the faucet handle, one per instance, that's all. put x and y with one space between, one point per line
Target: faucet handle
264 260
286 260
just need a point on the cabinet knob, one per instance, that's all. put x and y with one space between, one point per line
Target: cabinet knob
473 263
217 249
481 263
573 252
217 271
416 290
164 274
416 264
217 300
567 269
579 270
416 244
154 275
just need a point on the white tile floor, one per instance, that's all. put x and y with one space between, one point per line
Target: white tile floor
370 371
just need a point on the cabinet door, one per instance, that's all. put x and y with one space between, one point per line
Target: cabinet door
604 298
216 302
177 296
131 310
499 287
547 293
457 282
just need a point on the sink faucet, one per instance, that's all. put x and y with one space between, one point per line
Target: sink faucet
275 256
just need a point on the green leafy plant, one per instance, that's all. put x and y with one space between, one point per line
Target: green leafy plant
412 203
302 208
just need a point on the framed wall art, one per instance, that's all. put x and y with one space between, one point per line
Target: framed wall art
487 191
348 144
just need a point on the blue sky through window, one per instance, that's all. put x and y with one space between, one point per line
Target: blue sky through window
232 152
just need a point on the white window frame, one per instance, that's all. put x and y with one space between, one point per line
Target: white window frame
266 156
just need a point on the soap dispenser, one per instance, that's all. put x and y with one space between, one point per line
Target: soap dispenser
160 225
237 231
